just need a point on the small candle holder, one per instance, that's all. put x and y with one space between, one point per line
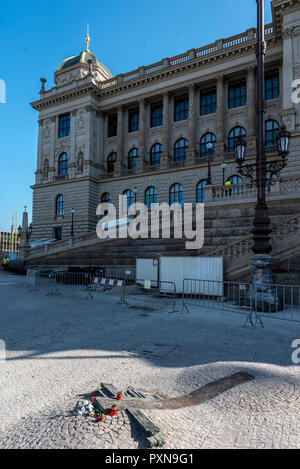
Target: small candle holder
113 411
101 418
119 396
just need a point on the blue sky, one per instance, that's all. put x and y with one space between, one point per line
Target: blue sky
36 36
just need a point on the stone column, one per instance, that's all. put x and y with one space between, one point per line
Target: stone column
165 132
251 104
105 125
288 70
191 126
73 156
90 133
220 116
39 152
39 163
142 129
53 133
101 122
120 146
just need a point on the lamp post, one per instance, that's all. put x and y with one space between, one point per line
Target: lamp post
72 224
257 173
135 194
223 166
209 147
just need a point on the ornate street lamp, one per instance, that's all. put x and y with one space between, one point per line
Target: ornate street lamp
209 147
72 225
257 173
240 150
135 194
223 166
283 141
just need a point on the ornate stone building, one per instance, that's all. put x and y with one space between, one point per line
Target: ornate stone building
146 132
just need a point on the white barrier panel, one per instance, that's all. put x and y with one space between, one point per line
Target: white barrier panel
176 269
108 281
145 270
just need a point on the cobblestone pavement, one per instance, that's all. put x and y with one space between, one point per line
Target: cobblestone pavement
62 346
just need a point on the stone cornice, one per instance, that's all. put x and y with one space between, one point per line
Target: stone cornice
87 89
164 74
280 7
67 181
117 86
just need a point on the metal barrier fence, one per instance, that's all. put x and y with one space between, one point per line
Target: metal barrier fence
231 296
52 281
240 298
154 292
30 279
127 274
286 304
61 278
101 284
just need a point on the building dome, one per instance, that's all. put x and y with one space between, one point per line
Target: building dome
83 58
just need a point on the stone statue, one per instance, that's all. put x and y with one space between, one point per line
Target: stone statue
80 163
45 169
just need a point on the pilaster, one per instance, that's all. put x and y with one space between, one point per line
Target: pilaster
120 155
191 125
165 129
220 116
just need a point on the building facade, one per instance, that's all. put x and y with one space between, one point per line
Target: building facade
9 242
146 133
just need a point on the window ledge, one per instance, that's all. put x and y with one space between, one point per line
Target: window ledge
62 177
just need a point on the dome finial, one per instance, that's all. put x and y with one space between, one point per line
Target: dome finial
87 40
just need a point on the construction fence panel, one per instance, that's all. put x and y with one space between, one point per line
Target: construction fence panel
124 273
218 295
241 298
286 304
31 276
162 294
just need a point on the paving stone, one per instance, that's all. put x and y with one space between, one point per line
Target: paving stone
60 347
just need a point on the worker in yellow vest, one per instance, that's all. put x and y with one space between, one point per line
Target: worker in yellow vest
5 262
228 183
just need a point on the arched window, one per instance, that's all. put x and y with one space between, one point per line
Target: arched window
112 158
180 149
60 205
272 131
130 198
106 198
234 134
63 164
150 197
234 179
176 194
207 138
132 156
155 153
200 197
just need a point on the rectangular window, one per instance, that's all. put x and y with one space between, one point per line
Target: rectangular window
237 94
58 233
272 85
181 109
134 119
64 125
112 125
208 102
156 115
